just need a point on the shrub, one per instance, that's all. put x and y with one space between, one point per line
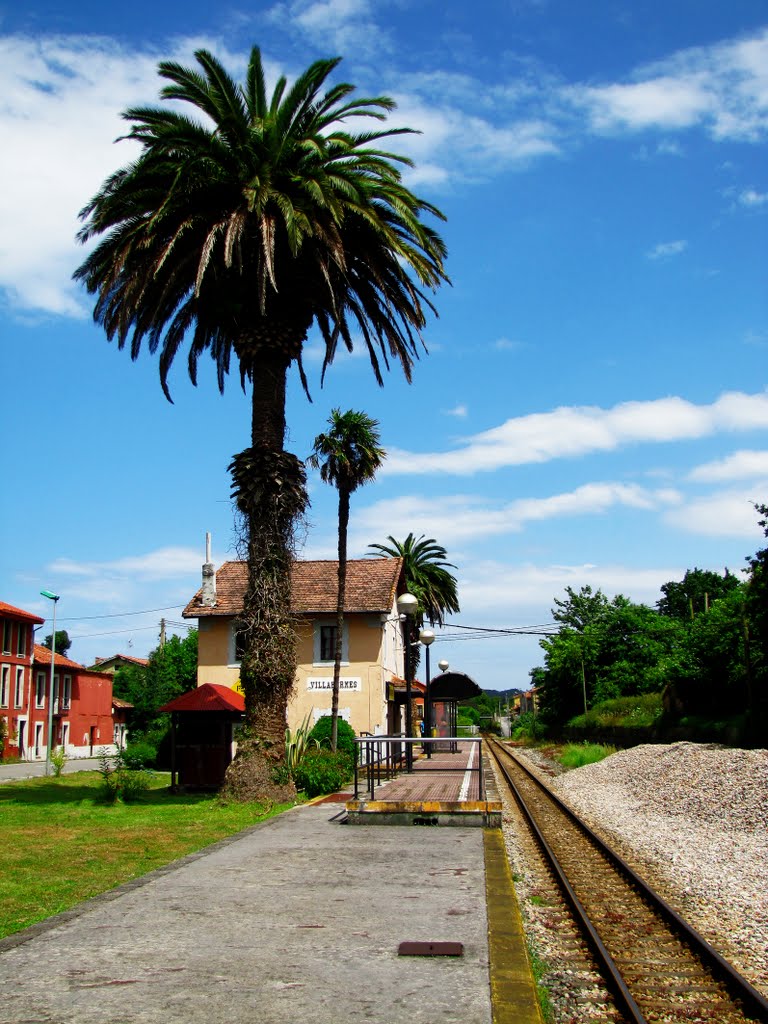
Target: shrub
322 771
527 728
622 712
58 760
576 755
138 755
345 739
297 744
118 781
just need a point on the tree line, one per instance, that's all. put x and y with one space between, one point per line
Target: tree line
704 647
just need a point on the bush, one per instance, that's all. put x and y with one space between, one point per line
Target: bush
58 760
345 739
528 728
322 771
622 712
118 781
138 755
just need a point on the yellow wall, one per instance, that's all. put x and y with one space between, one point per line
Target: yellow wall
375 655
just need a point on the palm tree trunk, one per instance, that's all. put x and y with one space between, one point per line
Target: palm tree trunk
340 595
270 493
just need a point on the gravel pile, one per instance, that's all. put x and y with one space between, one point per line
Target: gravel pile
693 819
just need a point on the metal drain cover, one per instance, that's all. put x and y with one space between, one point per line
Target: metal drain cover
430 949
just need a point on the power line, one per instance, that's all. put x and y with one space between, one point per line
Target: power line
119 615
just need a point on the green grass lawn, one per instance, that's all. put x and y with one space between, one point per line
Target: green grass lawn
60 845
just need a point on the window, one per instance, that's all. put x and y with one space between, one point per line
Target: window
6 636
328 636
237 642
18 690
5 676
21 640
324 646
40 690
66 693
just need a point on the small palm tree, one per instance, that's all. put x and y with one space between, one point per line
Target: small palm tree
246 219
425 569
348 456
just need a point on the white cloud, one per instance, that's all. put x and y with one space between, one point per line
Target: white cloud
741 465
724 514
460 411
567 432
347 26
520 594
751 197
723 88
62 98
462 518
666 249
162 564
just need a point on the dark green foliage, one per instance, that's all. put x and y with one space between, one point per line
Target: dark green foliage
119 782
141 754
346 737
172 670
695 593
63 643
323 771
631 712
426 575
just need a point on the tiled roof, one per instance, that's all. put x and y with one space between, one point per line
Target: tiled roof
42 656
118 703
371 587
18 613
142 662
207 697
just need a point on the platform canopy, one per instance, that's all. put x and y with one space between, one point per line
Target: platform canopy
208 697
453 686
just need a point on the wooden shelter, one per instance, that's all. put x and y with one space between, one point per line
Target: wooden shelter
203 723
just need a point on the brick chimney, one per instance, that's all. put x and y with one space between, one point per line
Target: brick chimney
208 595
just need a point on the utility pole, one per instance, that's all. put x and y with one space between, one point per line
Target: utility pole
162 634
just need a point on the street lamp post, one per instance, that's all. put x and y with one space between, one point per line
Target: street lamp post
427 637
54 598
406 607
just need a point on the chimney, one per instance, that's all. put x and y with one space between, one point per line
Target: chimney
208 595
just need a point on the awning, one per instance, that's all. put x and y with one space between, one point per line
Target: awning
453 686
208 697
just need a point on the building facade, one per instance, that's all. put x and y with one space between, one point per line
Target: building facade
83 716
372 646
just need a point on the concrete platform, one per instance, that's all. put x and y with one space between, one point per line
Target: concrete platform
441 790
299 918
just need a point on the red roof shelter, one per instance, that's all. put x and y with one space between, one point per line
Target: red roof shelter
203 725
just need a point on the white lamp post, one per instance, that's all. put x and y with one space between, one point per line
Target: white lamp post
54 598
407 606
427 637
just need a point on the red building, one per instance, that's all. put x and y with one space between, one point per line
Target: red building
18 641
85 719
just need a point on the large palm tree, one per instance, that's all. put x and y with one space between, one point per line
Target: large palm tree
245 219
425 570
348 456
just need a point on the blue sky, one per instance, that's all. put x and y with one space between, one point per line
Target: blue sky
594 406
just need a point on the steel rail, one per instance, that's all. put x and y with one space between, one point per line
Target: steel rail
754 1001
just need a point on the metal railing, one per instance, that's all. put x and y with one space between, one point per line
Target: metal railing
380 758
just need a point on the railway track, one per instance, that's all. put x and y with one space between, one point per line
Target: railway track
659 969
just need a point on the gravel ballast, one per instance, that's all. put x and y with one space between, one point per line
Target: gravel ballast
693 819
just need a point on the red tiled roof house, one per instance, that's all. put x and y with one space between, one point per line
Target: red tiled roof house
372 641
83 715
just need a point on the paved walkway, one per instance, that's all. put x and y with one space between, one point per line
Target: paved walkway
298 919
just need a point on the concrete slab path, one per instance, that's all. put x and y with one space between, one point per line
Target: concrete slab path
297 919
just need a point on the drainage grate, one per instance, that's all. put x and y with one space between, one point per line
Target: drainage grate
430 949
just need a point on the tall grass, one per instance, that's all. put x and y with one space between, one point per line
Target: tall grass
576 755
